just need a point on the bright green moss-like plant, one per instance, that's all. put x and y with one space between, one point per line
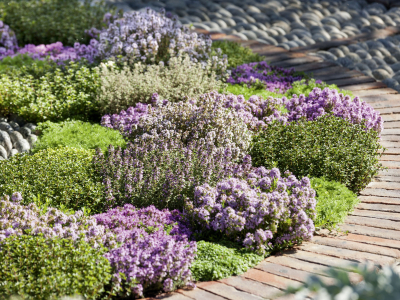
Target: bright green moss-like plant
237 54
62 177
77 134
329 147
37 268
220 260
49 21
247 92
334 202
305 86
68 92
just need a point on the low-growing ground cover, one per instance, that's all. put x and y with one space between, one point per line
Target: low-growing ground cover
187 183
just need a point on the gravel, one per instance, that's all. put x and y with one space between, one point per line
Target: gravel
317 20
379 58
15 137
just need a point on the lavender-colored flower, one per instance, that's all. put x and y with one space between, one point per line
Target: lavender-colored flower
320 102
272 78
152 37
17 219
155 250
260 209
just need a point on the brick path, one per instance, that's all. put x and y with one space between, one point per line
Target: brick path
374 226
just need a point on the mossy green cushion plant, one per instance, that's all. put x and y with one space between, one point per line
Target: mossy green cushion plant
305 86
49 21
334 202
68 92
77 134
237 54
328 147
217 260
61 177
247 92
37 268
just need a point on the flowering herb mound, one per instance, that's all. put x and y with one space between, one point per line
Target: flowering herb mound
8 40
125 120
274 79
159 169
58 52
18 219
320 102
152 37
155 253
262 211
194 120
256 112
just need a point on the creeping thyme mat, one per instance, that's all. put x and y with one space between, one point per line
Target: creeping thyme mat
192 178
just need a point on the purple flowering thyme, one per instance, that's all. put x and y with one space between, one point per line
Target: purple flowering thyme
272 78
260 211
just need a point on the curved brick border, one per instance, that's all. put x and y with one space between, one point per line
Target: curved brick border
374 226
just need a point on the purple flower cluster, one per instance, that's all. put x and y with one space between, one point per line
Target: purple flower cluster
320 102
125 120
160 169
152 37
272 78
155 253
8 40
255 112
18 219
57 52
263 209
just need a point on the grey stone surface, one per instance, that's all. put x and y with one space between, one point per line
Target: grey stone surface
22 146
5 126
3 152
5 141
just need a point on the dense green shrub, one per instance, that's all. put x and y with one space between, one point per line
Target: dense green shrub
22 64
49 21
375 285
237 54
329 147
121 89
334 202
222 259
77 134
45 269
63 177
305 86
68 92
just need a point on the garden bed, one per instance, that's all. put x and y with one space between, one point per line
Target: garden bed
161 159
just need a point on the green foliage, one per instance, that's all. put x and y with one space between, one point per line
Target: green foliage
61 177
220 260
22 64
49 21
329 147
247 92
68 92
181 78
77 134
237 54
334 202
376 285
305 86
37 268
